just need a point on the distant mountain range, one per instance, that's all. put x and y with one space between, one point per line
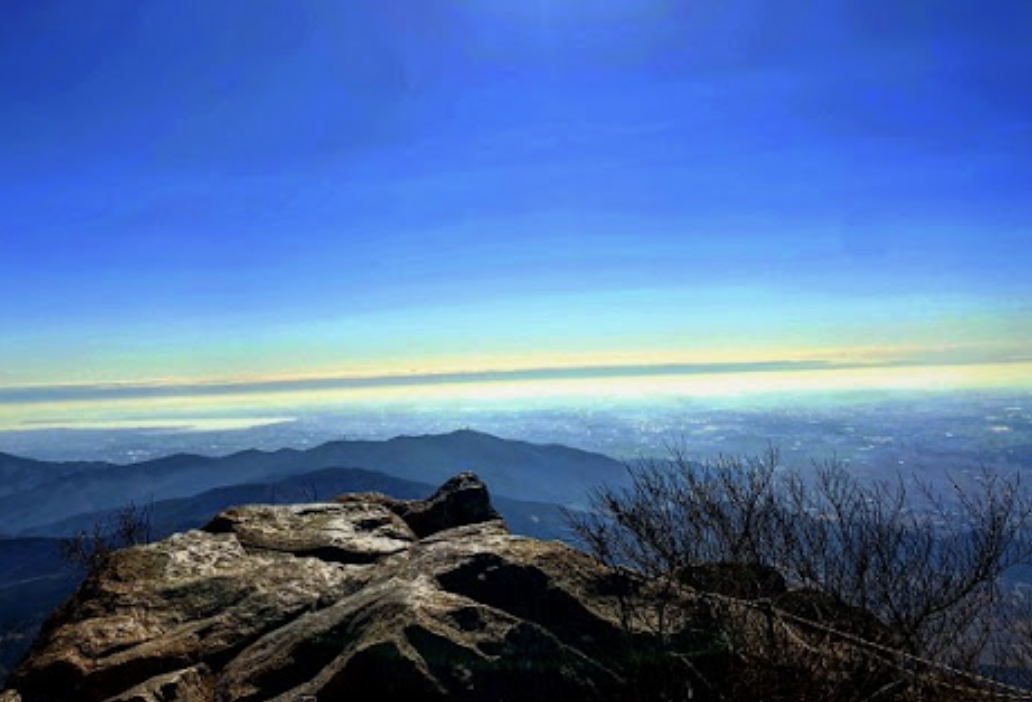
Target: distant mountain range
42 501
37 493
541 520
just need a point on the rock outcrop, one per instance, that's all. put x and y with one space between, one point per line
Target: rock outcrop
364 598
370 597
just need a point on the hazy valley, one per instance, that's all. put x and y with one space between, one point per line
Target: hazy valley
45 499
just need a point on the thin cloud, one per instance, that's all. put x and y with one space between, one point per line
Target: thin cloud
123 391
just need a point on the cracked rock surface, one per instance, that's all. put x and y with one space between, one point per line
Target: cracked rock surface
367 596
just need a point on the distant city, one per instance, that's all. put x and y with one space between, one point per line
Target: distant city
935 435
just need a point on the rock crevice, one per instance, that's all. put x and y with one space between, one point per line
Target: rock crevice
368 595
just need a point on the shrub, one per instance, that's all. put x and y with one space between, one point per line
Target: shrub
927 565
90 549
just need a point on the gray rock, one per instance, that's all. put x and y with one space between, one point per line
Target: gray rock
189 685
340 601
354 532
462 500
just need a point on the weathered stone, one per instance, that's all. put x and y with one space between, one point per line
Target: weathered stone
820 608
744 581
338 600
190 685
193 598
375 598
354 532
462 500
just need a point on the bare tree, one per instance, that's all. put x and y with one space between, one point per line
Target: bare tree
89 549
926 565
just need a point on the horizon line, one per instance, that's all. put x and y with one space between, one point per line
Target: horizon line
69 392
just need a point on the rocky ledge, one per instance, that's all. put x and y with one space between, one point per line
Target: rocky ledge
360 598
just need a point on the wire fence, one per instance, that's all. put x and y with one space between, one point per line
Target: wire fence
927 671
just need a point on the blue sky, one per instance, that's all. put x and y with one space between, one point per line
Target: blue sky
206 191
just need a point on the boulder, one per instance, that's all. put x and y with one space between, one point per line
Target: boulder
823 609
462 500
369 597
363 598
353 532
745 581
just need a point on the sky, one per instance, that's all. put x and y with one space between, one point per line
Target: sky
274 191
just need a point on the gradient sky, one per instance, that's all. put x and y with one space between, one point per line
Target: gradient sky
203 191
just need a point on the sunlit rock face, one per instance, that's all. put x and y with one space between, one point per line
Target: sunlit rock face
364 598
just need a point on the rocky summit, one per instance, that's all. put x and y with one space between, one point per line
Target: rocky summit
366 597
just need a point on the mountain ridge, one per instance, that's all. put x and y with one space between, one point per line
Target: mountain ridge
34 578
374 597
530 518
518 469
367 596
